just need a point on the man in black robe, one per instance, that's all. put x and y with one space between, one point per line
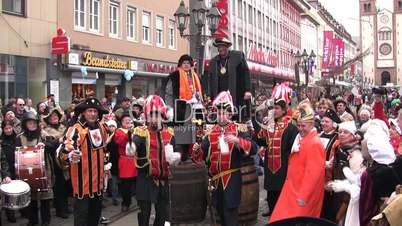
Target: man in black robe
228 71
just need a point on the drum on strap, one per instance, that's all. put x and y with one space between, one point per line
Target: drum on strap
30 167
15 195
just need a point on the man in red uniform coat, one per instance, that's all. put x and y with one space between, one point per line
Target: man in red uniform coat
303 191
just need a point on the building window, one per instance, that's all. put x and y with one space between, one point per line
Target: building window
250 14
146 23
240 41
399 5
159 31
172 34
14 6
94 9
239 9
113 19
367 7
259 20
131 23
79 13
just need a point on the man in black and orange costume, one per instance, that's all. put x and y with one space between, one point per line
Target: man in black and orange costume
84 153
153 149
224 149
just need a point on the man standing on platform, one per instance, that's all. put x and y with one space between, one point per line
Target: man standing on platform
84 154
228 71
278 140
224 148
303 191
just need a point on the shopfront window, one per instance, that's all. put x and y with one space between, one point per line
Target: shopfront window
14 6
13 77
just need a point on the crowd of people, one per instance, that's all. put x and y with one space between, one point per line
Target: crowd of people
337 159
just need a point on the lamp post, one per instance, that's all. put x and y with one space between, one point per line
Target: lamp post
201 15
306 63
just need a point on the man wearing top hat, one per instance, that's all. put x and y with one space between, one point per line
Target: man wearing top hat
229 71
329 139
84 154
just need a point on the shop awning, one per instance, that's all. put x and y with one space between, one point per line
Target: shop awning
71 67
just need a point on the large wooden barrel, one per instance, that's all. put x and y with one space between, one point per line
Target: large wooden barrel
250 194
250 189
188 193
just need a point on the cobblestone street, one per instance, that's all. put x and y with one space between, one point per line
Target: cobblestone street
130 218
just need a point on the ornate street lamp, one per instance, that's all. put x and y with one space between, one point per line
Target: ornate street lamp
181 15
202 16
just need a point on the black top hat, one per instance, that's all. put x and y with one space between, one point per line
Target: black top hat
332 115
222 42
90 102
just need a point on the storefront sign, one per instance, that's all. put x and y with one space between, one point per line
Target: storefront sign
223 26
61 43
73 58
106 62
262 56
327 51
159 68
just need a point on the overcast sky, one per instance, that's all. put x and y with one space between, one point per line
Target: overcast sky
347 12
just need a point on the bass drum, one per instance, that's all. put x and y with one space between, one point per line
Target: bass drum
188 193
15 195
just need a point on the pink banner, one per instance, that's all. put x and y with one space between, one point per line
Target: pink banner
342 53
336 52
327 52
223 26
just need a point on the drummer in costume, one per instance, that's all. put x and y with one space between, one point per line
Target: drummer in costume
153 149
329 139
84 154
33 136
187 101
224 148
277 135
55 130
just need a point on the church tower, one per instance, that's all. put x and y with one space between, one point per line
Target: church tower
398 38
368 17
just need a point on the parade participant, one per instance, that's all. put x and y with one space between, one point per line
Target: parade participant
303 191
229 71
137 112
84 154
321 108
113 150
278 139
10 117
186 98
7 149
347 140
224 148
5 179
364 116
126 164
341 109
32 135
153 148
122 107
55 130
29 107
329 139
19 108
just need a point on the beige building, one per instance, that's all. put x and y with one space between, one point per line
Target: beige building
25 34
110 40
381 32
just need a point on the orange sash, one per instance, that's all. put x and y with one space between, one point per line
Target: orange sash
186 93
